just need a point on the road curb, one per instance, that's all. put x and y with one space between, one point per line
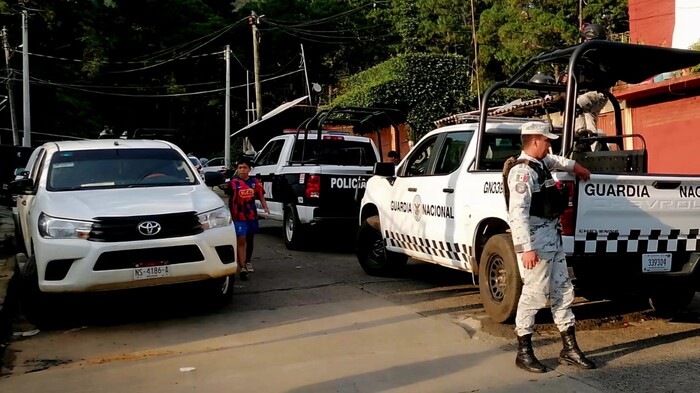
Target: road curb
8 274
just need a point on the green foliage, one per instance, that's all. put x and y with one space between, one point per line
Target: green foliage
695 46
426 86
513 31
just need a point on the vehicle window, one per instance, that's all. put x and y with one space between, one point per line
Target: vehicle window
118 168
417 163
270 154
452 151
216 162
497 148
36 166
335 151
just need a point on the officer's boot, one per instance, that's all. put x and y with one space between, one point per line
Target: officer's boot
526 356
571 353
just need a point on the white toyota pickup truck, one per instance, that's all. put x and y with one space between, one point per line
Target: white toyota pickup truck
625 229
115 214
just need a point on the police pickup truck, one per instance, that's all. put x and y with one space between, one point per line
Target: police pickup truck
624 230
313 178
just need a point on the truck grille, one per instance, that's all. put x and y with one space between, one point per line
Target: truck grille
128 259
124 229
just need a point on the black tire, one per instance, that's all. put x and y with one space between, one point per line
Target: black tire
219 291
372 254
671 300
500 284
38 307
294 230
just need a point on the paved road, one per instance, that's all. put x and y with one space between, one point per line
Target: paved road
314 322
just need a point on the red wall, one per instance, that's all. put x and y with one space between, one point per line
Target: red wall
672 133
652 21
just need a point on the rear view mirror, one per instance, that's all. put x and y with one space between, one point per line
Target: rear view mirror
385 169
21 172
22 186
213 178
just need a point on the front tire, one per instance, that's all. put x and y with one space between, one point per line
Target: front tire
37 306
372 254
219 291
671 300
500 284
294 230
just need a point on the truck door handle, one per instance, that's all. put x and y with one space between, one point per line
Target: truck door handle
412 189
24 203
448 190
666 185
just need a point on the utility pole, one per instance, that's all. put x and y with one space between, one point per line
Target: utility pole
247 96
306 75
476 57
580 13
27 128
227 109
10 95
254 19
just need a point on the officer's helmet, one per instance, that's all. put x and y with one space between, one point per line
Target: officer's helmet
542 79
593 31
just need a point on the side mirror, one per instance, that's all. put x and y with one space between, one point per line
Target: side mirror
385 169
213 178
22 186
21 172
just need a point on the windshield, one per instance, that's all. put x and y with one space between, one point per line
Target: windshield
335 152
118 168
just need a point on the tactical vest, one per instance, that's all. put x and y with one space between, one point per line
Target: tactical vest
549 201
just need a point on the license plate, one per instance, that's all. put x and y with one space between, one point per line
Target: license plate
656 263
142 273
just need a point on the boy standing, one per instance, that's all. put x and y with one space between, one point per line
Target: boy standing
244 190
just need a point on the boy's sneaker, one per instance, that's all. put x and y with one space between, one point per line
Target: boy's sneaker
249 267
244 274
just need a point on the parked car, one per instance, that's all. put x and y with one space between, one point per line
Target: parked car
197 165
101 215
216 164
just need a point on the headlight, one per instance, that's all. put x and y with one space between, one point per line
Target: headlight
220 217
61 228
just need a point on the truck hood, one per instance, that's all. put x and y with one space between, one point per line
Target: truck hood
88 204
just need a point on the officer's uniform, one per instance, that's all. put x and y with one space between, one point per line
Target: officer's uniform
549 279
591 103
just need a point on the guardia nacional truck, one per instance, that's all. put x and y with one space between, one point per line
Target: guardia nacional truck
625 230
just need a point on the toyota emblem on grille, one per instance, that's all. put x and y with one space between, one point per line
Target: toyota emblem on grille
149 228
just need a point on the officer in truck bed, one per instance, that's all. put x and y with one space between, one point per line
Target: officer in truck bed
534 206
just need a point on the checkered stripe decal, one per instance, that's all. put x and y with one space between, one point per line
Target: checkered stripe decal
638 241
438 248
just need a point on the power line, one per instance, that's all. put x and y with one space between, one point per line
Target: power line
186 53
124 62
170 95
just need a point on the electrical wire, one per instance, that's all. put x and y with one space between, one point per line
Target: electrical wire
123 62
39 81
329 18
184 54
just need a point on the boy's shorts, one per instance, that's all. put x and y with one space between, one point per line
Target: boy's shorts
244 228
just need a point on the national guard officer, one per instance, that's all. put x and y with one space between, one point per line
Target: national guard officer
533 214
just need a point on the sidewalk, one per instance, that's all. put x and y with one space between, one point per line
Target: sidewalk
8 269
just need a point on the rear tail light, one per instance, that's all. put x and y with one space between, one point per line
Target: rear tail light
313 186
568 218
334 137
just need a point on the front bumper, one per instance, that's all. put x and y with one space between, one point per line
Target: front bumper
82 272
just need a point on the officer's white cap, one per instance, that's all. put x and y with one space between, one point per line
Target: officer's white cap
538 128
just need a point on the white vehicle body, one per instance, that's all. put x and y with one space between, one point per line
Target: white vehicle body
633 226
103 235
304 189
216 164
